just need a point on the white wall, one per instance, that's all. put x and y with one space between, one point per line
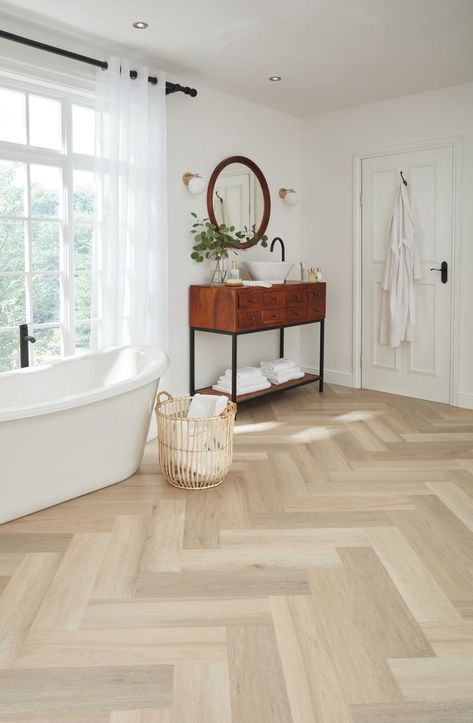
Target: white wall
328 144
201 132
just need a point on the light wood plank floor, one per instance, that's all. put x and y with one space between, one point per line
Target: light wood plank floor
329 579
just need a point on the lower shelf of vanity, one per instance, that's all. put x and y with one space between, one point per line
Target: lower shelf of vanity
292 384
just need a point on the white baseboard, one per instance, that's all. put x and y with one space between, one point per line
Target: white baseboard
465 400
345 379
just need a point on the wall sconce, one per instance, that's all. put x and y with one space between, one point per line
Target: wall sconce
194 182
289 196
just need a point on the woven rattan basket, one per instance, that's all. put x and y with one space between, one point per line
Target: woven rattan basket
194 454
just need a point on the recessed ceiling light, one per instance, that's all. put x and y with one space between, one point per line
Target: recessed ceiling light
274 77
140 25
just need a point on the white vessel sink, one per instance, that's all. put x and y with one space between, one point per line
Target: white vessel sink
274 271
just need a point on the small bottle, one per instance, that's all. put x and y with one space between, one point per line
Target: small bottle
312 277
234 271
318 274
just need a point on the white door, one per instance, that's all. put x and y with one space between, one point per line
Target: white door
420 368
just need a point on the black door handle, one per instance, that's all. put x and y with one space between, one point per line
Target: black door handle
443 272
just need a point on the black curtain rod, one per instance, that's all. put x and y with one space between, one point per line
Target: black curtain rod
170 87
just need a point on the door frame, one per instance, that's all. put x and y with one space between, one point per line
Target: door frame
455 143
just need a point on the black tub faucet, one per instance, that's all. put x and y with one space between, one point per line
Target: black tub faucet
283 250
25 339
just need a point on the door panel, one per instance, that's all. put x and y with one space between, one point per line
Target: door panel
420 368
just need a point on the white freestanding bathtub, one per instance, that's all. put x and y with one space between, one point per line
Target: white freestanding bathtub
74 425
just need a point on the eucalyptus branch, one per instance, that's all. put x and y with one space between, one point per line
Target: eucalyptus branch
214 242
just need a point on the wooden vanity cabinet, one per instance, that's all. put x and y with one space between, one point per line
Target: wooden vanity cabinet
234 309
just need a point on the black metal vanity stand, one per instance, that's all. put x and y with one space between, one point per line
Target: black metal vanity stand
307 379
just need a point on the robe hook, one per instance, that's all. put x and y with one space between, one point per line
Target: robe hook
403 179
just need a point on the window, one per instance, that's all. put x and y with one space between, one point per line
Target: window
46 222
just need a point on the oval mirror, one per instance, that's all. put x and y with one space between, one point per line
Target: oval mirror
238 195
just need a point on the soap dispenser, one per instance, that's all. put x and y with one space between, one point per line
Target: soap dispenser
234 271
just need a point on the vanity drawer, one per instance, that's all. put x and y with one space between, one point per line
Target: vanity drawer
274 316
316 293
250 299
248 319
274 298
296 296
297 312
316 302
315 311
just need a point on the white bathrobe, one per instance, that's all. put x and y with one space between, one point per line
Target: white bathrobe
401 269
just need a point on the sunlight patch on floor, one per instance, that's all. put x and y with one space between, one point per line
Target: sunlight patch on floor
313 434
256 427
359 415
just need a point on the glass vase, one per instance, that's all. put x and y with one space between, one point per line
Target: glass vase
219 272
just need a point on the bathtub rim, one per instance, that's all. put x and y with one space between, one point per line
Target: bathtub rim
158 366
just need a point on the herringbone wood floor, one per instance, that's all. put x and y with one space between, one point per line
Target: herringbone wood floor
329 579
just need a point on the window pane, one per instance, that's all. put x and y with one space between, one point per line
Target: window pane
9 350
83 130
83 194
45 241
82 337
12 116
45 122
83 233
46 191
47 346
12 188
46 306
12 301
82 296
12 245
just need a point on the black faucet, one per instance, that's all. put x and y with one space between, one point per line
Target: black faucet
25 339
283 250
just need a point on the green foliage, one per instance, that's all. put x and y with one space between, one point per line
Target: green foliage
46 309
214 242
12 300
83 233
45 245
12 198
44 202
45 242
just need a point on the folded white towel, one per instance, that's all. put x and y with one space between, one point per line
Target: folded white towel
281 378
266 284
244 372
277 365
242 390
206 405
282 372
226 381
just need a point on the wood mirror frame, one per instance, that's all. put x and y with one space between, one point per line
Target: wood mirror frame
264 189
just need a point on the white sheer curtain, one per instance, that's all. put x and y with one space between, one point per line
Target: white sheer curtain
130 251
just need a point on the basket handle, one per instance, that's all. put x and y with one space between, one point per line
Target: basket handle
229 409
159 400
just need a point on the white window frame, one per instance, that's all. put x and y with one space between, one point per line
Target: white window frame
68 162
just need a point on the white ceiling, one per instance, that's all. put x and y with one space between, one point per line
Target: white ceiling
331 53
